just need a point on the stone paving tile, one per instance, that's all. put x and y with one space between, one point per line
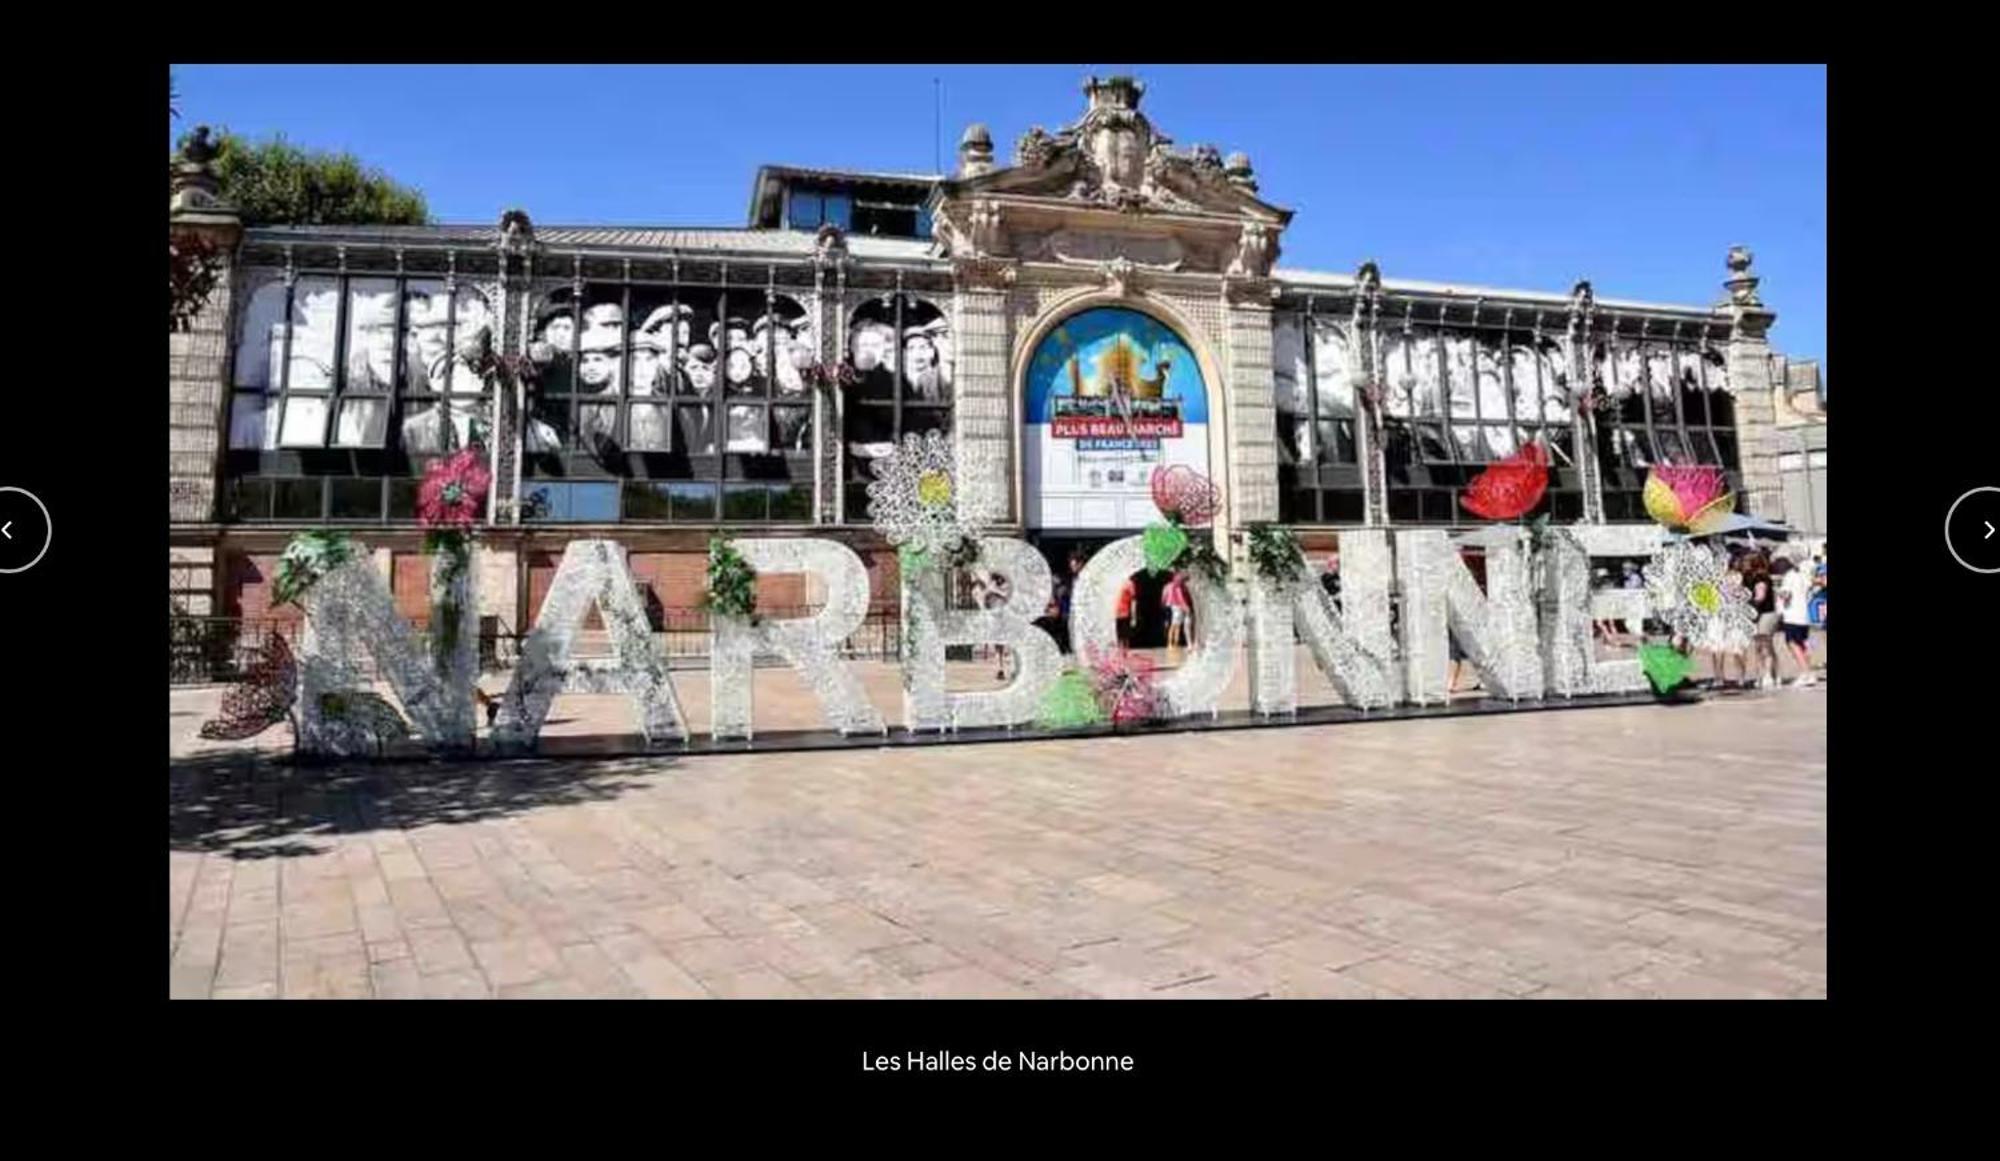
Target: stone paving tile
1623 852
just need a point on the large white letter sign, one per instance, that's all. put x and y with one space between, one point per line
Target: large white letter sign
349 613
1197 686
1352 645
592 572
1442 601
810 645
1569 607
929 627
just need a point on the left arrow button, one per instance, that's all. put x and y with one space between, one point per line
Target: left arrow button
24 529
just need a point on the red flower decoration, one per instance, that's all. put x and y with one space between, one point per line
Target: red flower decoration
1124 683
453 493
1510 488
1180 491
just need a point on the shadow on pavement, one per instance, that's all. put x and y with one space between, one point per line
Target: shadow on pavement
250 809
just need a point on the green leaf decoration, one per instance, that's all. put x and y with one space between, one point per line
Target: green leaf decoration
1665 666
732 583
912 559
1275 552
1070 702
308 557
1164 544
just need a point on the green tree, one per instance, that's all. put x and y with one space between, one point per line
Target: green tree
276 183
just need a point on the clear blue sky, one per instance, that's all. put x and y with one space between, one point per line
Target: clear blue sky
1637 178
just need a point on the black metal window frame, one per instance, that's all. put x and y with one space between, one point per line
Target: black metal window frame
331 482
1431 455
1325 486
1692 421
677 483
900 304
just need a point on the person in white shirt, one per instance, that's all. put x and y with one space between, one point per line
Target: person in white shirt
1794 597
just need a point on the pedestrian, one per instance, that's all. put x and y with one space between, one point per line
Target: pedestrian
1738 572
1794 615
1178 605
1764 603
992 590
1633 579
1127 611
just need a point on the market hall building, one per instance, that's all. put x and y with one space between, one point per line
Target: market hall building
1106 305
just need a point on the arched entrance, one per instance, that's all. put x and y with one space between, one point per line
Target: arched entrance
1110 395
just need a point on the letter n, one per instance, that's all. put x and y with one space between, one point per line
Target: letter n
1350 643
1441 601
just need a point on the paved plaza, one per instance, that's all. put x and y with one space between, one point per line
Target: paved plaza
1642 851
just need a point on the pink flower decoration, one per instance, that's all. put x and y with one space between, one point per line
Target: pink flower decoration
453 494
1124 683
1180 489
1688 497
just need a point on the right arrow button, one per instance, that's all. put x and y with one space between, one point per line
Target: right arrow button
1969 525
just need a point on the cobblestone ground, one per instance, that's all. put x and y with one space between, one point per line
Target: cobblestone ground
1624 852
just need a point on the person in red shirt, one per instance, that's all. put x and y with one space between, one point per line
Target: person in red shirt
1178 602
1127 611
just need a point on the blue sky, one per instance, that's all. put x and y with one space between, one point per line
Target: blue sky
1639 178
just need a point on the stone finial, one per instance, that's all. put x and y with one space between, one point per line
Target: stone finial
975 151
1368 279
1236 167
1582 299
829 243
196 190
516 233
1742 284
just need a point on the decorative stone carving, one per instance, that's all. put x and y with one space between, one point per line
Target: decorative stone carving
1237 170
829 245
1035 149
1255 248
982 225
1082 248
196 189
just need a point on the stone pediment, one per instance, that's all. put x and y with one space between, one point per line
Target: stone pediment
1108 188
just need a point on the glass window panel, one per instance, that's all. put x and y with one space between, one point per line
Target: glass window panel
1565 506
315 314
838 208
295 499
739 358
1500 441
1725 447
696 424
597 427
371 337
1333 366
472 315
1405 506
1558 441
363 423
442 425
1342 506
651 427
1673 449
746 429
1467 437
250 499
547 422
870 427
426 319
1431 443
403 498
646 501
354 499
922 419
692 501
745 502
250 425
1721 405
1336 441
305 422
791 428
804 211
544 502
792 505
259 332
924 374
